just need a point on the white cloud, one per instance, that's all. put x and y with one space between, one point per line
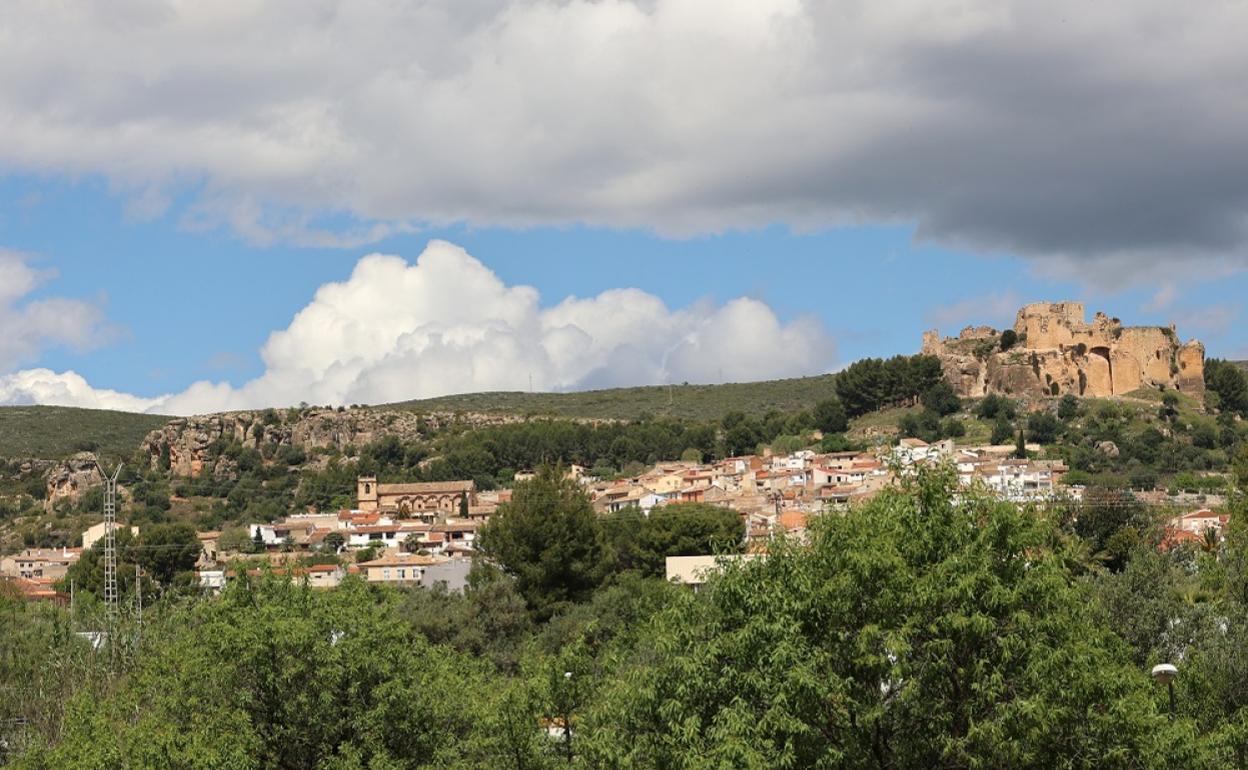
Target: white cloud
998 308
447 324
28 326
1050 128
44 386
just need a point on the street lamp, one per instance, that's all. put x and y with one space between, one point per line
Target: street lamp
565 698
1166 674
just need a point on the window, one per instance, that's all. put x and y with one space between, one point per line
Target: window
385 573
402 574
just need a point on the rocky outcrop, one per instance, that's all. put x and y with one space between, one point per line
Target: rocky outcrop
71 478
1055 351
189 444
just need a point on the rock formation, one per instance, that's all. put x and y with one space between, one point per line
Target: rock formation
189 441
71 478
1054 351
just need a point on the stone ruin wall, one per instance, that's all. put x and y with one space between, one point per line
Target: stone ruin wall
1058 352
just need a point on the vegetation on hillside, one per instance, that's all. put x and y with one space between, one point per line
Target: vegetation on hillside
925 630
53 432
681 401
1149 438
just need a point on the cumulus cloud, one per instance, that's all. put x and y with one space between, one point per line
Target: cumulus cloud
1064 129
28 326
448 324
44 386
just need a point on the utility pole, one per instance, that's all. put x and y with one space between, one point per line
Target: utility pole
110 545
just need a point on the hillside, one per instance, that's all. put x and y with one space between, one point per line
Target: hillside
56 431
1241 364
698 402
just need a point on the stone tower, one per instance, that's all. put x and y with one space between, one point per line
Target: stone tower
366 493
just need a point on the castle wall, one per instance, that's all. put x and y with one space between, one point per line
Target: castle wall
1191 361
1059 353
1127 373
1097 374
1049 324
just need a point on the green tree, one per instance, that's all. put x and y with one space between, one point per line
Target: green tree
941 399
1169 410
411 543
333 542
278 675
992 406
1068 407
1043 427
635 542
917 633
1113 522
1002 431
164 550
830 416
546 537
1229 383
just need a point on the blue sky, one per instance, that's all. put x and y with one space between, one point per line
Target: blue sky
164 220
184 305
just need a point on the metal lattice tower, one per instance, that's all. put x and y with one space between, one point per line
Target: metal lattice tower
110 545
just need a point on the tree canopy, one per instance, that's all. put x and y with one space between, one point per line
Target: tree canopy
919 633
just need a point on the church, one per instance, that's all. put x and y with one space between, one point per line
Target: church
407 499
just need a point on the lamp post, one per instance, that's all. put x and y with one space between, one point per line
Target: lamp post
567 715
1166 673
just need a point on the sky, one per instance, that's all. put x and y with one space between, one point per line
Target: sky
240 204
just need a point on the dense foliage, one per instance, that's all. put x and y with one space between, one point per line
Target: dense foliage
914 632
1227 386
558 550
874 383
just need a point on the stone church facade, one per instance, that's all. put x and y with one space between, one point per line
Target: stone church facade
406 499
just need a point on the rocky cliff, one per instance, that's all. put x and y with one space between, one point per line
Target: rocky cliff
187 442
71 478
1052 350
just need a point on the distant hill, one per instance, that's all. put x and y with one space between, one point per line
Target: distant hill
697 402
56 431
1241 364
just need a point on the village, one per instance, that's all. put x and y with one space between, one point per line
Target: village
424 533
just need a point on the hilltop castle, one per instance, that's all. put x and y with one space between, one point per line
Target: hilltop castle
1054 351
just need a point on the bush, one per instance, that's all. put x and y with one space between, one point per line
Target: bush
1009 338
838 442
941 399
992 406
1002 431
1043 428
953 428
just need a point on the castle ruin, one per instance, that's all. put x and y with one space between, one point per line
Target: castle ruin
1055 351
